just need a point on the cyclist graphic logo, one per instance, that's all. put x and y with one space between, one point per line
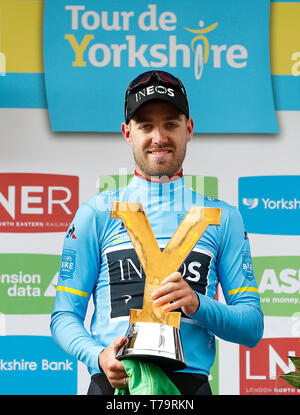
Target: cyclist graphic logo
201 50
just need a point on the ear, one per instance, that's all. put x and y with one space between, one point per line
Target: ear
126 132
190 129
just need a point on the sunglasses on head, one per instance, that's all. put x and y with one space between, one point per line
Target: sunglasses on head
162 76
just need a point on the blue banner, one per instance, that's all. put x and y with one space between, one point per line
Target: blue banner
270 204
35 365
219 49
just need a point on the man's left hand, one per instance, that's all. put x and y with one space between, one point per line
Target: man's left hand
177 293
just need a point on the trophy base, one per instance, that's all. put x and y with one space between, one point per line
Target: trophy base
154 342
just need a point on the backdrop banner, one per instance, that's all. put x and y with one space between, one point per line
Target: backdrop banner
270 204
219 49
35 365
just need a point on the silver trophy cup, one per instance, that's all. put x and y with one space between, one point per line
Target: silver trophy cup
154 342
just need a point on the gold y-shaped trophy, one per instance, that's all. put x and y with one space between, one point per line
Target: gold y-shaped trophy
153 334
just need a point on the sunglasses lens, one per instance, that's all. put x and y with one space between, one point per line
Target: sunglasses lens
166 77
141 79
163 76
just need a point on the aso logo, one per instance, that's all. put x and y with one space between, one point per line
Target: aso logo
37 202
270 204
278 280
261 367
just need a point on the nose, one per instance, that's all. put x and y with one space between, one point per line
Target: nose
159 136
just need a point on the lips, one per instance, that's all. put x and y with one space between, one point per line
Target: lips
159 152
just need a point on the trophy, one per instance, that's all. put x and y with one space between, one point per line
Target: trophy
154 335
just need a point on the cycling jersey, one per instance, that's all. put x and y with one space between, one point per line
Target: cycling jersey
98 259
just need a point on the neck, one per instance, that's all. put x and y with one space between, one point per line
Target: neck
160 179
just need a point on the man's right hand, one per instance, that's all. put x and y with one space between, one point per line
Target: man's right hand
113 368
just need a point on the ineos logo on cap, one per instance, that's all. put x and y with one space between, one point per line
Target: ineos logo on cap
150 90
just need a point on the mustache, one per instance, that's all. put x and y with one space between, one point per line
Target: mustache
159 147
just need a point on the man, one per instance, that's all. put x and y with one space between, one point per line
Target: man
158 127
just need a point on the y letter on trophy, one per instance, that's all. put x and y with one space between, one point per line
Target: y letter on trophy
158 265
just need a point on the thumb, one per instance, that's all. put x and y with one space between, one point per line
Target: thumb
118 343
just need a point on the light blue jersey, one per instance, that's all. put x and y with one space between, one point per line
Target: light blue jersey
98 259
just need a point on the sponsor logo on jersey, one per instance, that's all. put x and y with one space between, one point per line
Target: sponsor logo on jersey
37 202
247 266
68 263
70 233
270 204
127 277
121 235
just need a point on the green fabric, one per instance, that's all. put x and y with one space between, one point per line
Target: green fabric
146 378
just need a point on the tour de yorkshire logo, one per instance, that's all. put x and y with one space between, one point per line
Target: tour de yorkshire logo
134 52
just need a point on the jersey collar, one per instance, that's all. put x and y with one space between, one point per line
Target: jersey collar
167 179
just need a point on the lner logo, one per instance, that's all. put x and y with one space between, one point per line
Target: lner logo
270 204
262 366
31 202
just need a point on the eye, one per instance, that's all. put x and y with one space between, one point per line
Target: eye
172 124
145 127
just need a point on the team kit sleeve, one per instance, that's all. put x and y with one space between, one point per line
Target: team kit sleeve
240 320
78 273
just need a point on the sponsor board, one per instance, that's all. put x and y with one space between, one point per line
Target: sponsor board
37 202
28 283
270 204
95 49
261 367
35 365
278 280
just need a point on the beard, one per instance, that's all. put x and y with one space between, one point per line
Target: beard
159 168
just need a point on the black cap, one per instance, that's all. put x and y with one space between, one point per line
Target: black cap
155 85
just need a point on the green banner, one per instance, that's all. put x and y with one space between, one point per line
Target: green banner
28 283
214 373
278 279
